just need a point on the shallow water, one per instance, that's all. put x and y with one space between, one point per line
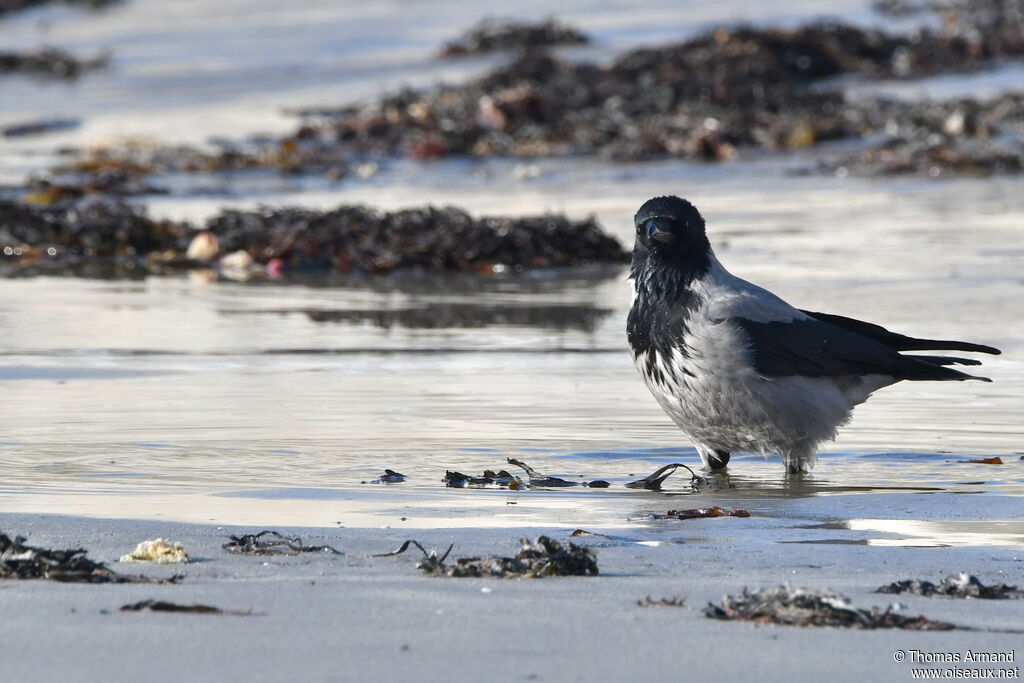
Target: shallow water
258 403
272 404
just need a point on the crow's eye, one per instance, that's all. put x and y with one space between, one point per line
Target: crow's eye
651 227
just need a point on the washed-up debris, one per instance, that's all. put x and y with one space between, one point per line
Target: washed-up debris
7 6
164 606
426 238
806 607
493 35
999 18
961 585
50 62
502 478
663 602
955 137
986 461
103 185
654 480
20 561
431 562
389 477
543 557
348 238
18 130
541 481
204 247
273 543
702 513
583 532
139 157
91 228
157 551
701 99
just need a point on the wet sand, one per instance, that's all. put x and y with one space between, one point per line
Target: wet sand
353 617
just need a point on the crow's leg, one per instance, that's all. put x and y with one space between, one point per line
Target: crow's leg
713 459
799 460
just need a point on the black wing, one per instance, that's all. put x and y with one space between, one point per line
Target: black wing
899 342
815 348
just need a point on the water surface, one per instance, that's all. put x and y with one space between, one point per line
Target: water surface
272 403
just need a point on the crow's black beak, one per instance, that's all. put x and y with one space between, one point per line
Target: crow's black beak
656 231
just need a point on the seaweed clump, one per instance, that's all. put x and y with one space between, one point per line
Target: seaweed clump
703 513
804 607
661 602
139 157
959 137
493 35
351 239
538 480
501 478
543 557
89 228
425 238
273 543
389 477
992 26
20 561
700 99
9 6
165 606
50 62
961 585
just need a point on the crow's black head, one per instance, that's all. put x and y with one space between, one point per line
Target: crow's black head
670 233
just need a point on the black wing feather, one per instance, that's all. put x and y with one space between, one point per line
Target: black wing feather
815 348
896 341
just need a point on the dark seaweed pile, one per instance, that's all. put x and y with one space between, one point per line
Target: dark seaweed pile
493 35
49 62
700 99
999 18
7 6
538 480
501 478
85 229
962 585
389 477
703 513
535 479
348 238
300 153
20 561
802 607
543 557
704 99
272 543
962 137
165 606
428 238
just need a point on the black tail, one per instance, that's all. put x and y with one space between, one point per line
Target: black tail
947 360
901 342
933 368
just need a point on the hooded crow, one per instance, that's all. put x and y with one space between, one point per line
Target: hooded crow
739 369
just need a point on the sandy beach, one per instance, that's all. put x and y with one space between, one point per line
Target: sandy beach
322 617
